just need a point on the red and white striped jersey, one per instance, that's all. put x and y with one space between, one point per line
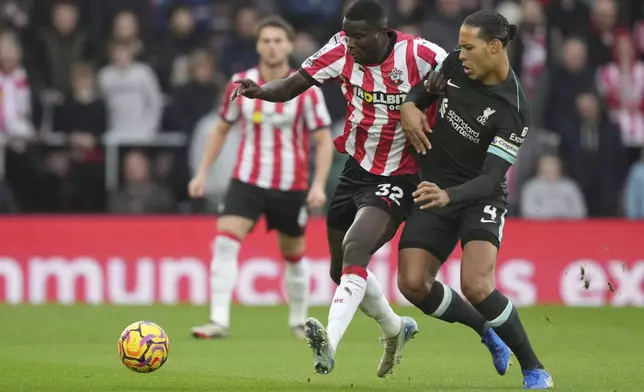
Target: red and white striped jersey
624 93
15 103
372 133
274 150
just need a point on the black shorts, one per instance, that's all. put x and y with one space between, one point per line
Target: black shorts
285 211
439 230
358 188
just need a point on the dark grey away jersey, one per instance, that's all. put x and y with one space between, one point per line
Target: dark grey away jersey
473 120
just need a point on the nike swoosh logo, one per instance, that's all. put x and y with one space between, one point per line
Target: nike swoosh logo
483 220
449 83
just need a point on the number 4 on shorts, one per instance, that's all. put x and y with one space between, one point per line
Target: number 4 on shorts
491 212
394 193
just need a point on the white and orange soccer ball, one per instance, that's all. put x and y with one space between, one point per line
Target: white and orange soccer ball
143 347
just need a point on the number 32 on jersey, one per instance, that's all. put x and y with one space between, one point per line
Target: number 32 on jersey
394 193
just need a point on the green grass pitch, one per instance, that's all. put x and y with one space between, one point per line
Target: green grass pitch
55 348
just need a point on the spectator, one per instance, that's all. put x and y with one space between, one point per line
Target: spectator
98 17
409 12
139 194
539 142
132 95
594 155
566 82
634 202
15 104
172 55
621 82
529 57
189 103
15 13
126 29
201 11
239 53
566 19
83 118
550 195
22 166
443 26
603 25
529 53
60 46
83 115
320 18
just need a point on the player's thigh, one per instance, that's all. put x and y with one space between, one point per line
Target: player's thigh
427 240
372 228
342 207
243 205
286 212
481 232
391 195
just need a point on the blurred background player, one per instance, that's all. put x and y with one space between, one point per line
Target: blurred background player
377 67
270 179
482 122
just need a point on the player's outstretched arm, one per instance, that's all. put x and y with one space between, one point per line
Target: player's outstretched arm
280 90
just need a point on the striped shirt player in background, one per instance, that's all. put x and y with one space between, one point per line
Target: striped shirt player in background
376 67
270 178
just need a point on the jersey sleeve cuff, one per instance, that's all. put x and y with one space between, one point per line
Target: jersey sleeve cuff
308 77
224 119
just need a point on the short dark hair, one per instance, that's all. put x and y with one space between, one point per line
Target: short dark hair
368 10
276 21
493 26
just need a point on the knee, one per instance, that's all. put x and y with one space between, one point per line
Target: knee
414 287
476 289
355 251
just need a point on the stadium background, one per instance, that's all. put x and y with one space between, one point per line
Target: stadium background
86 154
93 173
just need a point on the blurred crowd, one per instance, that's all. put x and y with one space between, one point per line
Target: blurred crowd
104 105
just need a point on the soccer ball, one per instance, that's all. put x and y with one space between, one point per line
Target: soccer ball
143 347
